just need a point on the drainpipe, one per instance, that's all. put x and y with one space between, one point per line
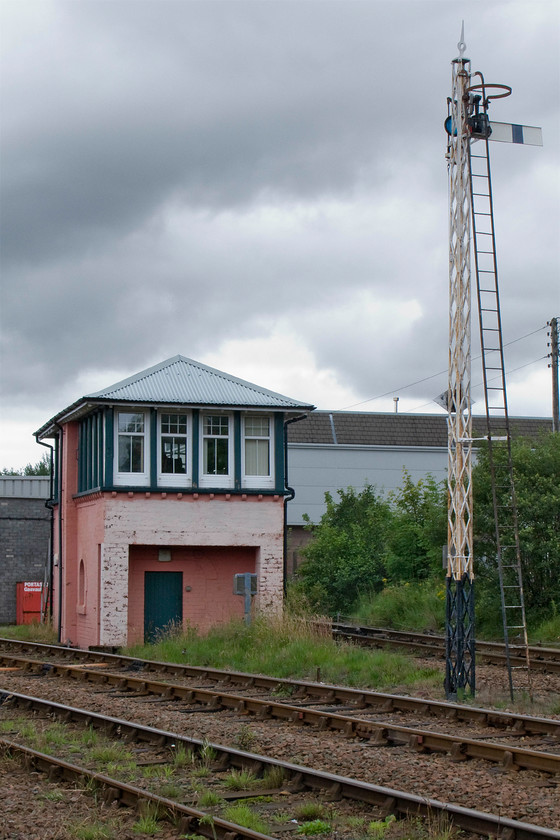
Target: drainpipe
60 483
50 505
289 494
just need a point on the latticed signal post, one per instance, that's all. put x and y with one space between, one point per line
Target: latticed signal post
471 219
460 639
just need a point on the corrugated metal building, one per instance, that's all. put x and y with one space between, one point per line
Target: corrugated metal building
332 450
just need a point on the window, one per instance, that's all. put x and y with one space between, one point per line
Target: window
216 450
81 605
257 451
174 444
132 446
173 449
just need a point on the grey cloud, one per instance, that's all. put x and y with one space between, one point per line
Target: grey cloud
140 137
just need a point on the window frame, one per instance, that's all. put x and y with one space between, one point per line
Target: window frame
132 479
258 481
174 479
211 479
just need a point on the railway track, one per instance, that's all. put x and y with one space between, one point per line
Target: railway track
546 659
351 723
379 737
299 691
294 779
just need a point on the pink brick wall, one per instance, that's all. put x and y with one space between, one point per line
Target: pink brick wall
208 597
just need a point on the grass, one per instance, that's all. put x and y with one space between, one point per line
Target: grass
91 831
208 799
294 647
309 829
547 632
242 814
418 606
35 632
240 780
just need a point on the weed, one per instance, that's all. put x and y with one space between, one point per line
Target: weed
241 814
240 780
202 772
274 777
182 757
53 795
89 737
56 735
378 828
148 822
245 739
171 790
207 753
91 831
310 811
110 753
208 819
208 799
314 827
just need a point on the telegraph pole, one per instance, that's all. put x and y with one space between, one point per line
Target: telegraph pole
554 328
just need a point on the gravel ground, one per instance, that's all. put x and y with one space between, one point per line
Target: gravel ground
526 795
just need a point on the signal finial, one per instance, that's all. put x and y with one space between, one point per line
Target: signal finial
461 46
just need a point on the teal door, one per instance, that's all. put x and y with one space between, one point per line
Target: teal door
163 602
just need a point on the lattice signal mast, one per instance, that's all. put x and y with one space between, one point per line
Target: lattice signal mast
471 220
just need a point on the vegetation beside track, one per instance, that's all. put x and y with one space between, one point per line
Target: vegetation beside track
294 647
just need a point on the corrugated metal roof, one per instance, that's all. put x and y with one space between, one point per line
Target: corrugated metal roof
25 486
389 429
184 381
181 381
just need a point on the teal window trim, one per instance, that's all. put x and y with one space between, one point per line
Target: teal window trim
81 447
237 450
153 444
88 451
100 452
95 452
195 444
109 445
280 478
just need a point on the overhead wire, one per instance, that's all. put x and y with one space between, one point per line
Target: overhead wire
441 372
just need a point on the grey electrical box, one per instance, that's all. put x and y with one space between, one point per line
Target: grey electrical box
245 584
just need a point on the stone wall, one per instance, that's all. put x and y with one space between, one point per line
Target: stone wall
24 544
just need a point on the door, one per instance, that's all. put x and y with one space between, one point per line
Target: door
163 602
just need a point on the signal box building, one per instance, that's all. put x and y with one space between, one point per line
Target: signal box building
167 485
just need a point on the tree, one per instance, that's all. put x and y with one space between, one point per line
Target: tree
536 465
418 530
346 555
42 467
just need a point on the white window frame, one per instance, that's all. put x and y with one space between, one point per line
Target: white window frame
210 479
174 479
132 479
257 481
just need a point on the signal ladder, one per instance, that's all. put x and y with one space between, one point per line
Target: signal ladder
497 421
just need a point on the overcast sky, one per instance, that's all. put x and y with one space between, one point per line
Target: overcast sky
261 186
